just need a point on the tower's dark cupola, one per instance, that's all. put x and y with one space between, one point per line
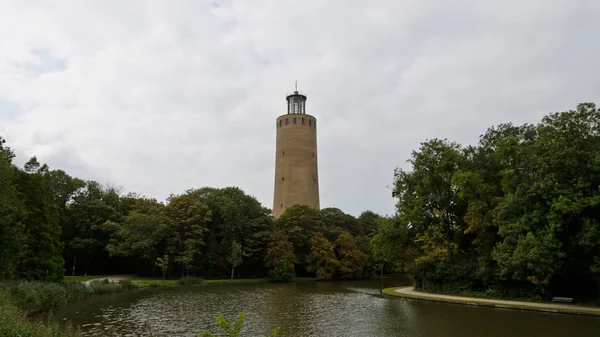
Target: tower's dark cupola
296 103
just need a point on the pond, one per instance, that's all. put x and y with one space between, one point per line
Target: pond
344 308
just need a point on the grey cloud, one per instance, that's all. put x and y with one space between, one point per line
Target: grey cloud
159 97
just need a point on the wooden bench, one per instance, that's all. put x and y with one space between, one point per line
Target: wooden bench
562 299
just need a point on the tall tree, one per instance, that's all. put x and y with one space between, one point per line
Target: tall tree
236 256
12 231
321 259
189 218
300 223
333 222
42 258
143 233
281 258
352 259
238 217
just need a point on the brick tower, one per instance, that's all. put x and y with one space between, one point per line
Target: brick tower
296 171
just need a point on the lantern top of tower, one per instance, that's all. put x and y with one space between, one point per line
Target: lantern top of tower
296 102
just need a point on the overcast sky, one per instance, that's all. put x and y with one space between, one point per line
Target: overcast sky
161 96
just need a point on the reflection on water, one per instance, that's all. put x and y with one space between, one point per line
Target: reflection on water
348 309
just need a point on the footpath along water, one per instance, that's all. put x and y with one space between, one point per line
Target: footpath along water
345 308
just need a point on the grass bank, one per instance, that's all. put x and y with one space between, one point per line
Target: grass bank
409 292
21 299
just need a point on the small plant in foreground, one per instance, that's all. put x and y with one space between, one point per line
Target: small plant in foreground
234 331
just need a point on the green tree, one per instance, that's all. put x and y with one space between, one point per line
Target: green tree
300 223
281 259
142 234
163 264
236 256
82 220
351 259
367 221
12 230
189 218
333 222
321 259
392 245
42 257
238 217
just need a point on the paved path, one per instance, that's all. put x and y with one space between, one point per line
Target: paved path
565 308
111 278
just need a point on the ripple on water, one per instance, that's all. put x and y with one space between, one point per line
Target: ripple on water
348 309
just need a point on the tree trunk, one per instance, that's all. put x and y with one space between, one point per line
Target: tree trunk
232 269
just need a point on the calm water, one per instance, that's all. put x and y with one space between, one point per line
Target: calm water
346 309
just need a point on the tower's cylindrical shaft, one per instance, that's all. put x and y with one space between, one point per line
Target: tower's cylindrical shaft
296 169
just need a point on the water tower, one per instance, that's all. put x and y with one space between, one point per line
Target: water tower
296 170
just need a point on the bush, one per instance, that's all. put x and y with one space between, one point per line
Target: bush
282 273
127 284
105 287
14 323
190 280
155 284
76 290
37 296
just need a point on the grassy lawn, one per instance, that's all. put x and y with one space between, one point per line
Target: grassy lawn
474 301
84 278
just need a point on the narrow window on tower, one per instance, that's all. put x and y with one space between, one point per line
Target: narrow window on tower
286 121
283 154
313 154
310 122
294 120
281 120
282 178
302 121
281 205
314 180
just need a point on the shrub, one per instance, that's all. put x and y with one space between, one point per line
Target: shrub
282 272
127 284
190 280
37 296
105 287
76 290
155 284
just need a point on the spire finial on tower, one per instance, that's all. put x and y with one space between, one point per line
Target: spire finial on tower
296 86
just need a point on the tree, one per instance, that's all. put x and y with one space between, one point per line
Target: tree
321 259
163 264
189 218
238 217
351 259
12 231
300 223
333 222
367 221
82 216
392 245
42 257
281 259
142 234
236 256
